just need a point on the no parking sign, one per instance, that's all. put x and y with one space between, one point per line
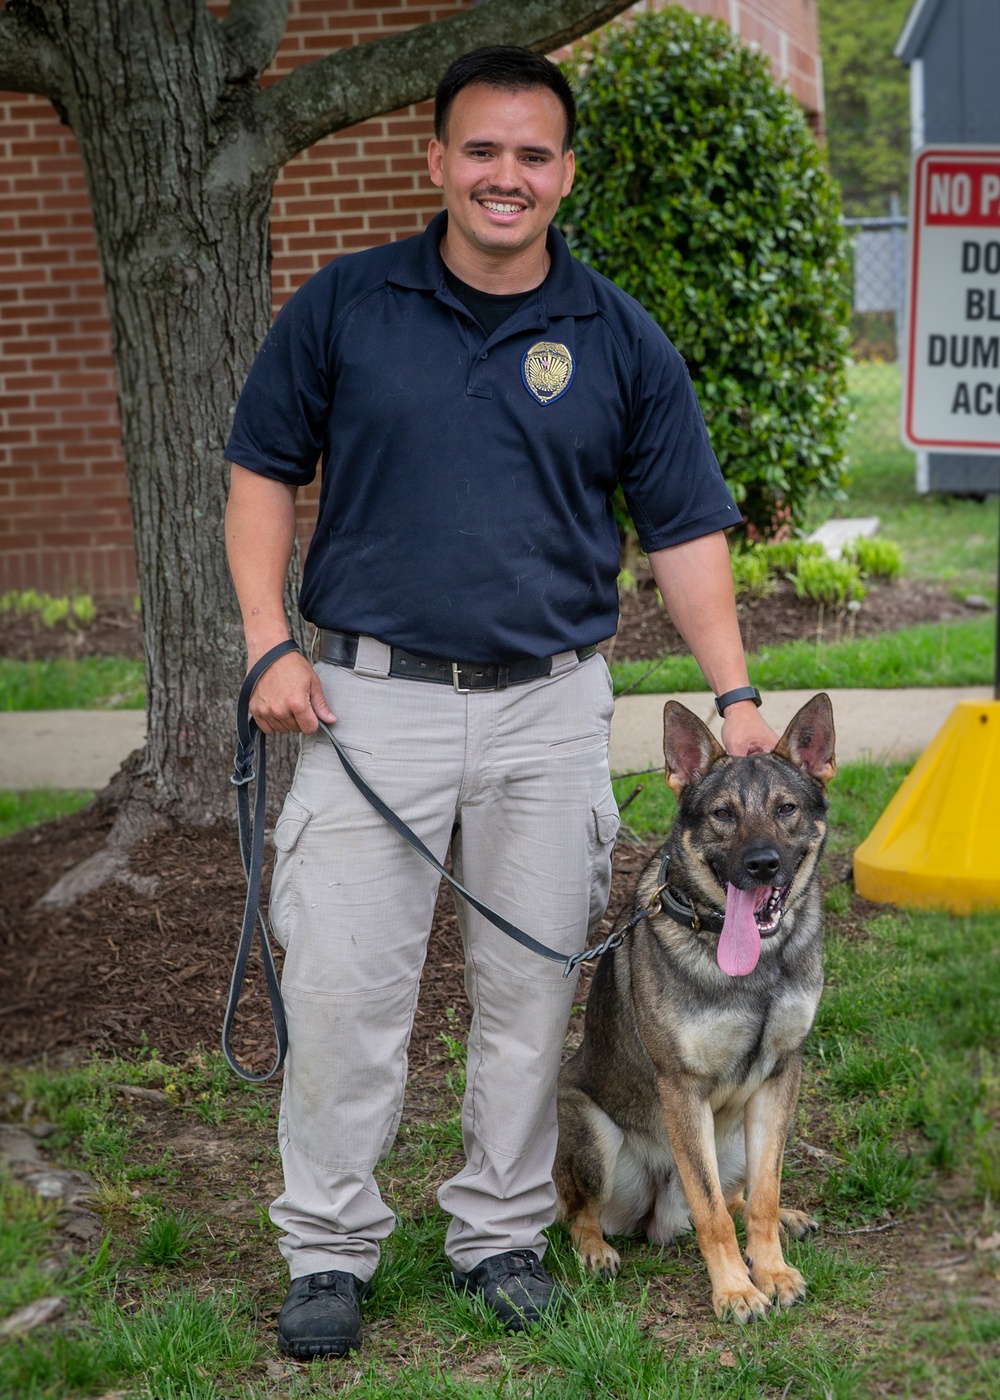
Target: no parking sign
951 394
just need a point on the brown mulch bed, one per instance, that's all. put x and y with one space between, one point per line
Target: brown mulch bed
121 966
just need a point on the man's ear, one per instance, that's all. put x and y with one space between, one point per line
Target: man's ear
689 747
808 741
435 157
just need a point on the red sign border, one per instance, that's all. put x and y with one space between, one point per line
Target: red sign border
920 158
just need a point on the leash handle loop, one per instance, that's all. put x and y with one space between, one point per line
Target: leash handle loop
251 751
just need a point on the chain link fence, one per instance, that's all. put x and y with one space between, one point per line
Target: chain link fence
879 248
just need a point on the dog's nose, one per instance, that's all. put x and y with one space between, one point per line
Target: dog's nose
761 864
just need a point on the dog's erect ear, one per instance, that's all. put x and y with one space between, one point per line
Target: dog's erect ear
808 741
689 747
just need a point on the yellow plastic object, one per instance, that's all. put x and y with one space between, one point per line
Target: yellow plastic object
937 844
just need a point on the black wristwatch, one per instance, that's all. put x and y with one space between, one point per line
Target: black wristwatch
745 692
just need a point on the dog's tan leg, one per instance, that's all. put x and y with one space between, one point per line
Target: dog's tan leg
767 1117
691 1128
596 1255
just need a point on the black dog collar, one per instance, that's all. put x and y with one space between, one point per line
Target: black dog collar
679 907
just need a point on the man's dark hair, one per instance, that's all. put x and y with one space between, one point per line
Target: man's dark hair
503 66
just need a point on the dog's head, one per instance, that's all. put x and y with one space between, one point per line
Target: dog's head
749 831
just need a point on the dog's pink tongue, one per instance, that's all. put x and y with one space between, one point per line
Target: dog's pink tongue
739 942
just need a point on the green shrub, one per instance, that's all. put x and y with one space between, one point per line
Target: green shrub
702 193
876 558
751 574
783 557
833 581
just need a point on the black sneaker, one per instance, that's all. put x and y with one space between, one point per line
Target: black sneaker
515 1287
321 1315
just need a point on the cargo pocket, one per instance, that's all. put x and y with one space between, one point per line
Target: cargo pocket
291 823
604 828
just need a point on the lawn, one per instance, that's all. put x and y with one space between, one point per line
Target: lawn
949 539
896 1149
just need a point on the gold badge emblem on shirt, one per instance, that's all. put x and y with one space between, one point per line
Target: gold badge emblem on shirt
547 370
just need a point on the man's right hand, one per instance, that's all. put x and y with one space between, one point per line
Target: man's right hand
289 699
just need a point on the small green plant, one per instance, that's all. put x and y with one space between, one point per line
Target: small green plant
456 1053
831 582
166 1240
751 572
783 555
50 610
876 558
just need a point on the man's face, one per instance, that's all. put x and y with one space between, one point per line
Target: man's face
502 167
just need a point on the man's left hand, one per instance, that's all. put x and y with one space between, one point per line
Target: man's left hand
744 730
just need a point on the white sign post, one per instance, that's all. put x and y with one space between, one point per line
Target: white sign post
951 385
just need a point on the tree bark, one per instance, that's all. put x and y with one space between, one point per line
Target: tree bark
181 147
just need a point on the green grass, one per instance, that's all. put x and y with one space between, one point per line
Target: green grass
85 683
36 805
950 539
934 654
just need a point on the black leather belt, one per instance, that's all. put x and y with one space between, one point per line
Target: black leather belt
341 649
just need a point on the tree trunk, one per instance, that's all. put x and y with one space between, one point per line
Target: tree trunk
186 260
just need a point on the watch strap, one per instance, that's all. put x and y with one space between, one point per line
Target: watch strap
732 697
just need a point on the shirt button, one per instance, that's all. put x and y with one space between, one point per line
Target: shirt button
485 355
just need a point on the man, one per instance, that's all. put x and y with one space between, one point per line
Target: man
475 395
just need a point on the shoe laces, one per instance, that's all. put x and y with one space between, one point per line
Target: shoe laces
335 1283
515 1262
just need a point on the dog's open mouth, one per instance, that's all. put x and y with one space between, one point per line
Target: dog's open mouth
750 916
768 915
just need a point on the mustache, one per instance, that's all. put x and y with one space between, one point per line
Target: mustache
493 192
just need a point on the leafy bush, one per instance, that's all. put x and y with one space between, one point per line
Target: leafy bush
833 581
702 193
876 558
783 557
751 574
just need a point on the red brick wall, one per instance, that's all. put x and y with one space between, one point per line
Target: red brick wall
64 516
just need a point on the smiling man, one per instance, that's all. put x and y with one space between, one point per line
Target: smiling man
475 396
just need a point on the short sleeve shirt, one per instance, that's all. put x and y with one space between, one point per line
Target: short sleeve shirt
466 497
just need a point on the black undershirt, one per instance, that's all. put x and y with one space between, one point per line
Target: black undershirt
490 309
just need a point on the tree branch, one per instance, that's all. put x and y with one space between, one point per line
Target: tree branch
251 33
385 74
29 62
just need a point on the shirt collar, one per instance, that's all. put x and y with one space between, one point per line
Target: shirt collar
566 290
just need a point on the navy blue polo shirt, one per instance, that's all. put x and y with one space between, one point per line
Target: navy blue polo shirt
465 506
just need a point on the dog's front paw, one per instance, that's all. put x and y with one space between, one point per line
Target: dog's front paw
784 1285
741 1303
598 1257
798 1223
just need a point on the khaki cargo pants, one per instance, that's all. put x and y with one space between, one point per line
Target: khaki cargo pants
517 782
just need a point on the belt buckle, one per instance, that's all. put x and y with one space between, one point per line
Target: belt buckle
455 677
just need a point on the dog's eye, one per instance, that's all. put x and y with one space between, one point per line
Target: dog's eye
786 809
723 814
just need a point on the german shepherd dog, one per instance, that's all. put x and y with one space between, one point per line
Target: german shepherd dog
683 1090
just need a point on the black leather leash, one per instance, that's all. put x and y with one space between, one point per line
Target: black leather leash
250 766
